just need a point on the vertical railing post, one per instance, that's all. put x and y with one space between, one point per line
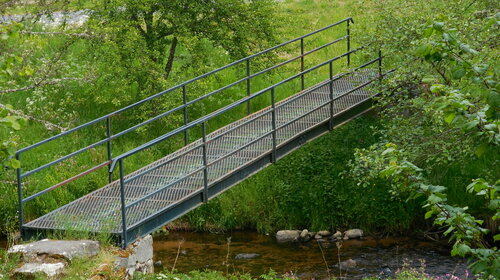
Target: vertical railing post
110 154
249 109
348 43
273 112
302 61
20 196
123 208
380 63
205 162
330 123
184 100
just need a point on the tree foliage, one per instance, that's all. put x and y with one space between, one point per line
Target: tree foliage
236 26
441 111
8 121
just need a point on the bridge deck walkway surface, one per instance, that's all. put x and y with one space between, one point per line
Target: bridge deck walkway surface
179 176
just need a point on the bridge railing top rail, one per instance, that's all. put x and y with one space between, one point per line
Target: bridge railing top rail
103 118
186 103
222 110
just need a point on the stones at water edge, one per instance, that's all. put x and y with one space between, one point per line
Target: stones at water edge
353 233
324 233
137 257
57 249
246 256
337 235
51 256
287 236
305 235
350 263
31 269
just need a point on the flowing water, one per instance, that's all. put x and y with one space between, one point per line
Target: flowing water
199 251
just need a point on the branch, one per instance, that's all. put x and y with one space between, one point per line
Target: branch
39 84
171 56
442 74
47 124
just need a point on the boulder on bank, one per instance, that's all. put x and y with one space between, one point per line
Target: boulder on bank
49 257
246 256
65 249
353 233
30 269
288 235
324 233
305 235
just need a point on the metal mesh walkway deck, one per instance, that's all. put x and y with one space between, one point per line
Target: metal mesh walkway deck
166 183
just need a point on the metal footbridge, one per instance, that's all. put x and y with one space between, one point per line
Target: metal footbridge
313 101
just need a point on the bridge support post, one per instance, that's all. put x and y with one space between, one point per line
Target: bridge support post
348 43
249 109
330 87
205 162
184 100
123 208
110 154
20 197
380 64
273 114
302 62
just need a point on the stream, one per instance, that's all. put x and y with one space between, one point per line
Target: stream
200 251
373 257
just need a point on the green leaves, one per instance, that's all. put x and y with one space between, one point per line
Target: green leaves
458 73
438 26
434 199
467 49
8 121
462 227
460 249
423 50
450 117
446 114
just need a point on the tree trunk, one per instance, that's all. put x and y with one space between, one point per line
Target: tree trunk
170 60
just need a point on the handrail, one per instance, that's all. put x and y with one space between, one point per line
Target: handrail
177 87
173 110
337 77
260 137
220 111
